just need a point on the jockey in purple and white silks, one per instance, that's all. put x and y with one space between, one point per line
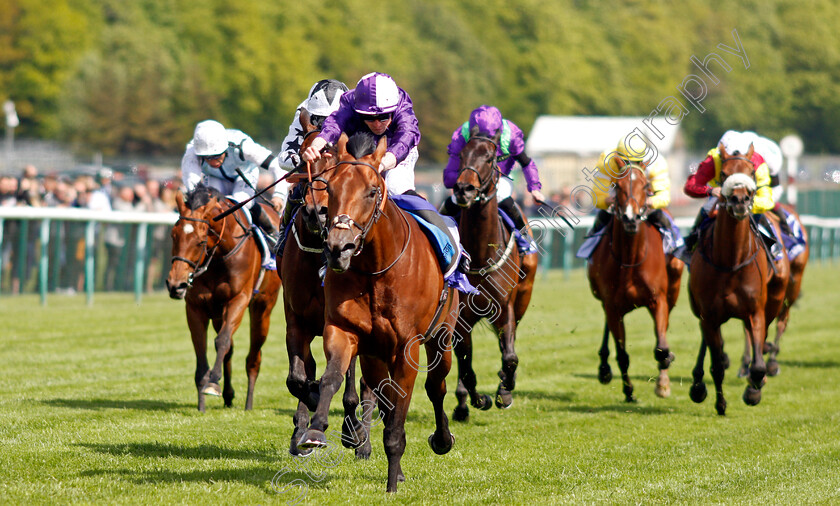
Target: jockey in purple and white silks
381 107
487 120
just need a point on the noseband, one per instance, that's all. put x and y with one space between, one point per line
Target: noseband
345 222
723 177
201 266
642 215
484 185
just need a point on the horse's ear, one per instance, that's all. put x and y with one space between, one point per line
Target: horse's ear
305 122
750 151
498 137
342 144
722 150
381 149
179 202
474 131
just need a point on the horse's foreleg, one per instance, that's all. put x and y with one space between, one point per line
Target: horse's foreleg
662 353
197 323
604 370
339 348
781 326
352 432
698 390
300 379
616 326
467 381
438 353
397 392
231 318
714 340
757 331
301 421
368 403
746 357
510 361
227 386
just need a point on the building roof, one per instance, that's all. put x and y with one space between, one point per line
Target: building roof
590 135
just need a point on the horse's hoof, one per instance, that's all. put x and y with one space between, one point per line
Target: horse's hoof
312 439
443 449
351 437
744 371
629 398
720 406
212 389
461 414
698 392
504 398
604 374
400 478
752 396
725 361
484 402
663 391
362 453
294 452
773 368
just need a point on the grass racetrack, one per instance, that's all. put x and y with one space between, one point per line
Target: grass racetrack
98 406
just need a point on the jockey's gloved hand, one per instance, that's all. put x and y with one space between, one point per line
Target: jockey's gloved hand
388 162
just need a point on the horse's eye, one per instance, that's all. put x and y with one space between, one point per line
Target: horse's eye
371 193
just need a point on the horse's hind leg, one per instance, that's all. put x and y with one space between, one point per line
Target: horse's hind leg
301 421
616 326
368 403
744 370
604 370
227 388
260 311
714 340
781 326
662 353
467 381
757 330
698 390
439 359
352 431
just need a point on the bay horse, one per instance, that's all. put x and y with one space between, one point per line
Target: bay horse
385 296
797 270
731 277
629 269
303 304
503 276
216 268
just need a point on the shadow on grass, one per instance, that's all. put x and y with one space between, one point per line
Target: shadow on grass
283 482
626 407
99 404
203 452
564 397
637 378
817 364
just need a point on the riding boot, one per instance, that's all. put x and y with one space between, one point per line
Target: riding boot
601 220
414 193
512 209
449 207
262 220
694 235
783 224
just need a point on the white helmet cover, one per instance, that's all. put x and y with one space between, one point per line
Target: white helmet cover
210 138
771 152
324 97
736 142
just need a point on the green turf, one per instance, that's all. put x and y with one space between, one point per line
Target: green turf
98 406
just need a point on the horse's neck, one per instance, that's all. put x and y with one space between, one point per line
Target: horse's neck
480 230
732 240
231 231
385 240
629 248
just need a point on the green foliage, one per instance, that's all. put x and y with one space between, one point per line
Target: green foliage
134 77
98 405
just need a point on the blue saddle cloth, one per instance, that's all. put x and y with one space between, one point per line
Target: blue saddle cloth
672 240
794 244
523 241
447 250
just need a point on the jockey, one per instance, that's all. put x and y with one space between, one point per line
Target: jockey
511 149
322 101
658 179
706 183
379 106
229 160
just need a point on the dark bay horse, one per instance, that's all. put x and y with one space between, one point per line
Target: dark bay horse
385 296
303 304
731 277
216 267
503 276
797 269
629 269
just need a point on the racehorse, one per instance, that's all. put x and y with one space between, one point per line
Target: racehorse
629 269
503 276
385 295
797 269
216 267
303 304
731 277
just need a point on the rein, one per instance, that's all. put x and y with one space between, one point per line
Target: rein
501 261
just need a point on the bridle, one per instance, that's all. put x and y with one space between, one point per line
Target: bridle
727 203
345 222
484 185
643 209
208 252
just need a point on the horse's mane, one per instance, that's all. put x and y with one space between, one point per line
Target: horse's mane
361 144
201 195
